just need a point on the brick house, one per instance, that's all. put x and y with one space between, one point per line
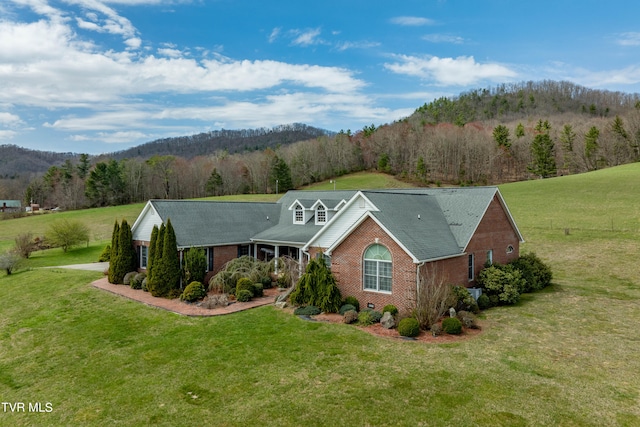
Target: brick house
380 244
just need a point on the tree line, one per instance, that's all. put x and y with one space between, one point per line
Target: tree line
418 149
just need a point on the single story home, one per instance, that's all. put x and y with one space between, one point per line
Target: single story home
379 244
10 206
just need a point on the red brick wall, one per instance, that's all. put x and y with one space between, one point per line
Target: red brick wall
347 266
222 255
494 232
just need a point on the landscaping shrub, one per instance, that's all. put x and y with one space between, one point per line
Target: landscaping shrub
244 267
25 244
317 287
245 284
105 256
174 293
353 301
409 327
136 281
452 325
284 281
464 300
502 283
129 277
349 316
258 290
484 302
345 308
244 295
365 318
193 292
309 310
391 309
537 274
195 265
266 282
144 285
375 315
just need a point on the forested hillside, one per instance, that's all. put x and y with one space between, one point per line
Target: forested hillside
489 136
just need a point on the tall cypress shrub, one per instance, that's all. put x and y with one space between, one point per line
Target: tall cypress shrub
115 238
152 252
127 252
154 283
170 258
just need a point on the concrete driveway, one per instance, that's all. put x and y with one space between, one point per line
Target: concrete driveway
94 266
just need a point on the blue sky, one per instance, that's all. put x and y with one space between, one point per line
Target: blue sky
98 76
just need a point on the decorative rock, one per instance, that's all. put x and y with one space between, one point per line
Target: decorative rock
387 320
452 312
281 304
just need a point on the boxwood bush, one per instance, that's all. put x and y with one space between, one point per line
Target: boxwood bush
452 325
353 301
536 274
391 309
193 292
243 295
409 327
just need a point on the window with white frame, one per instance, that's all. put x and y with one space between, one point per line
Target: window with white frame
144 251
321 215
377 269
490 257
298 215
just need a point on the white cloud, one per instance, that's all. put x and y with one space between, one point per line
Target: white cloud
356 45
443 38
275 33
307 37
7 134
461 71
629 39
9 119
412 21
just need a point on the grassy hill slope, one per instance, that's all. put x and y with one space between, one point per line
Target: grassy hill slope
566 356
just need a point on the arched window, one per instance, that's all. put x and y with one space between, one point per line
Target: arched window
377 269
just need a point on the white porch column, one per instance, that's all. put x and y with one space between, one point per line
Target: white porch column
276 255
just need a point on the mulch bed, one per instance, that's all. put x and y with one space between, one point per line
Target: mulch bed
378 330
189 309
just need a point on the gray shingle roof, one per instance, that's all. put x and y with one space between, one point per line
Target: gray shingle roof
417 222
206 223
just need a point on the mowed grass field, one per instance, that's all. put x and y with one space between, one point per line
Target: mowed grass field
567 356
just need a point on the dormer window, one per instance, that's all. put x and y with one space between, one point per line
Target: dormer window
321 215
298 215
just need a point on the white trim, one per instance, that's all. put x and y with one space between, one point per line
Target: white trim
142 214
336 217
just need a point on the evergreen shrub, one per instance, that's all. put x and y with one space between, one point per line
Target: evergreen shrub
353 301
535 272
484 302
244 295
193 292
391 309
452 325
309 310
409 327
345 308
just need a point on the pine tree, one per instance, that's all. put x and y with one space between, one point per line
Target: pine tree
543 152
281 175
127 252
115 237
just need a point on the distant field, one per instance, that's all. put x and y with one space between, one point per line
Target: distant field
567 356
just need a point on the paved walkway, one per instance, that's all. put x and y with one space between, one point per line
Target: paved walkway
180 307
